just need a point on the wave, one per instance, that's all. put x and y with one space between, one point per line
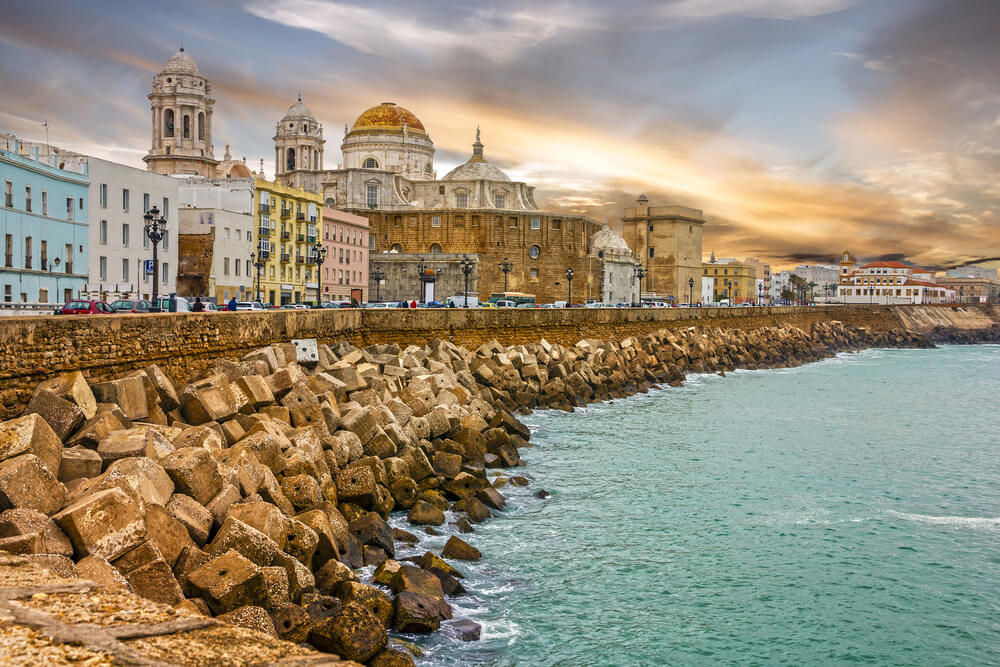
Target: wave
974 522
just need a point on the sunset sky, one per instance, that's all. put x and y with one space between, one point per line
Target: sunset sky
800 127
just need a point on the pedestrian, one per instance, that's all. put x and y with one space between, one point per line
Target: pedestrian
198 306
232 304
413 304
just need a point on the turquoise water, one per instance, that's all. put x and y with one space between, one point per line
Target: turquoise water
843 512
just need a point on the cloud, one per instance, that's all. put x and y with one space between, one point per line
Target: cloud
767 9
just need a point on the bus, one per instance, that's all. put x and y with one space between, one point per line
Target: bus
517 297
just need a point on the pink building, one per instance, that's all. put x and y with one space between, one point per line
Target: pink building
345 237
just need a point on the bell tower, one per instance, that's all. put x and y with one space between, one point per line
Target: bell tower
298 142
181 104
846 268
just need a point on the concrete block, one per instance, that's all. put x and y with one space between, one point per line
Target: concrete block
229 581
128 393
31 434
73 387
107 523
63 416
194 472
17 522
26 483
192 515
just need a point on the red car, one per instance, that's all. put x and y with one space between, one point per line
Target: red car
85 308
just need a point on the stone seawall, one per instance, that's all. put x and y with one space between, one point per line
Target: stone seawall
33 349
925 319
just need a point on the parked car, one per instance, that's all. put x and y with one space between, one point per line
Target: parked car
381 305
131 306
249 305
85 308
505 304
182 305
461 301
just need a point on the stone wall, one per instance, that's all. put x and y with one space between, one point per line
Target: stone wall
923 319
35 348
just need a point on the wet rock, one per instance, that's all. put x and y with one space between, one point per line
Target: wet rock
291 622
391 657
460 550
355 634
377 602
252 618
476 510
465 629
542 493
423 513
371 529
416 613
229 581
332 575
492 498
463 525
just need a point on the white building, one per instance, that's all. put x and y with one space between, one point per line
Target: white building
120 252
889 283
707 289
619 283
216 221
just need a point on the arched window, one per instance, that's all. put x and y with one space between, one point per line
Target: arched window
331 202
305 128
436 247
291 158
396 248
187 126
370 163
168 123
201 127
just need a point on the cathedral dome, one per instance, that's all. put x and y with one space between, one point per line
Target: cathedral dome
299 111
477 168
388 117
181 63
609 241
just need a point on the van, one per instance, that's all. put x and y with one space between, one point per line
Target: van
182 305
460 301
505 304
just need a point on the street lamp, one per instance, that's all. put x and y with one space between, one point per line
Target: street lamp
690 291
378 276
156 229
640 273
505 268
760 293
257 261
466 270
421 268
728 283
569 283
318 256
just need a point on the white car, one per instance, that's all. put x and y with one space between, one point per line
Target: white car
381 305
249 305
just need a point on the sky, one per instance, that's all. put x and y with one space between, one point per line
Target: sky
800 127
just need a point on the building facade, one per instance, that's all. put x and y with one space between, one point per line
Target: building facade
889 283
287 229
763 271
732 280
668 240
44 226
972 290
120 260
402 279
345 237
619 280
216 225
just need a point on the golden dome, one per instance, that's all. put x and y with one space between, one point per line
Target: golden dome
388 117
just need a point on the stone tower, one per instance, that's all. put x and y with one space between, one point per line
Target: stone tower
181 104
667 241
298 142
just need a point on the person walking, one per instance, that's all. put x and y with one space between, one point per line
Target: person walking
232 305
198 306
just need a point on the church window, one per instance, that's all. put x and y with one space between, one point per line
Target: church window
460 221
534 273
168 123
397 247
187 126
331 202
168 150
440 189
305 128
291 159
536 223
498 200
652 252
372 195
436 247
534 251
600 254
201 127
370 163
436 221
462 200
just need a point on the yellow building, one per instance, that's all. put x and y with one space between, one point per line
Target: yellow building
288 220
731 279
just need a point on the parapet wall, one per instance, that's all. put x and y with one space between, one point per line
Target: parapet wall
33 349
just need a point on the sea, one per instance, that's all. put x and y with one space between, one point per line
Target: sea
839 513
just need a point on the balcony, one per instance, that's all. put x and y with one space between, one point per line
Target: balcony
265 254
265 208
285 257
310 238
300 216
286 234
9 201
286 213
299 259
265 231
301 238
69 267
312 218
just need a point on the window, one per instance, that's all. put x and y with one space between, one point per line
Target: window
187 126
9 251
125 235
370 163
27 252
651 228
166 207
436 247
165 278
9 195
69 208
145 202
237 265
372 196
536 223
145 240
557 224
43 295
225 266
201 126
225 233
462 200
6 293
534 251
125 199
125 268
166 239
534 273
652 253
45 256
435 221
102 268
27 198
498 200
513 222
168 122
45 202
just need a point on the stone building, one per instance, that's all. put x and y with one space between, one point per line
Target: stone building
668 240
345 271
442 276
619 282
388 176
216 225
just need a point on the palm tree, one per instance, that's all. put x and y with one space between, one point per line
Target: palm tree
812 294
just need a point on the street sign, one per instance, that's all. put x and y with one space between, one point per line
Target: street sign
149 266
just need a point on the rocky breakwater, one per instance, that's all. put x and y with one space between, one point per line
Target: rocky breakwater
957 336
257 492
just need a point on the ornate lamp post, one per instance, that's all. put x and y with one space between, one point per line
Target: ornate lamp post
569 283
421 268
378 276
466 270
318 256
156 229
257 261
505 268
728 283
640 273
760 293
690 291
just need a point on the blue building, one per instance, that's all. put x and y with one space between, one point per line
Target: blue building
43 227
